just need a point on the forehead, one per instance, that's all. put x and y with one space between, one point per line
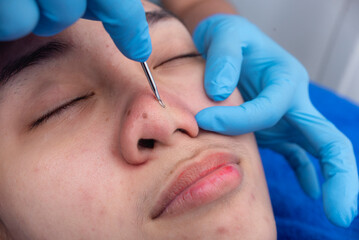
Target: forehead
32 40
10 50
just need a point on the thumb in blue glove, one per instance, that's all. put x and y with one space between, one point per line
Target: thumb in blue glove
124 20
275 87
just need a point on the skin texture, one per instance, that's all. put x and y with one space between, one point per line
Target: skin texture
81 174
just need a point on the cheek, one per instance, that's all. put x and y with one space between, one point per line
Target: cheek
199 99
187 86
81 186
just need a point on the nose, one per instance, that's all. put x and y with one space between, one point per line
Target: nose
146 126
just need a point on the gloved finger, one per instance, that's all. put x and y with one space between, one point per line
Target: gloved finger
126 23
223 54
56 15
17 18
302 166
338 165
262 112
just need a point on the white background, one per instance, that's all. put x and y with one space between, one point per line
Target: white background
322 34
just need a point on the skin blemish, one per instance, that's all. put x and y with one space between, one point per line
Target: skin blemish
144 115
128 112
222 230
253 198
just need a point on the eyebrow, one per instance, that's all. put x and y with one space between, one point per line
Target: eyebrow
50 50
56 48
156 16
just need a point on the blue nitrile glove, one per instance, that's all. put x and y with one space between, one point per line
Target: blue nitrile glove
274 86
124 20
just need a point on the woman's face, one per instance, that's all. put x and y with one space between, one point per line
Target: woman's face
88 153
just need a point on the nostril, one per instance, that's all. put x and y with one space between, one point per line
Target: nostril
182 130
146 143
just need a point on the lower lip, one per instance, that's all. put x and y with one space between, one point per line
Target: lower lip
213 186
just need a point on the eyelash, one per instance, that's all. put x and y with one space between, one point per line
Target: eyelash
187 55
59 110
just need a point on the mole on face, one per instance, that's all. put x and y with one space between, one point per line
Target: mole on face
144 115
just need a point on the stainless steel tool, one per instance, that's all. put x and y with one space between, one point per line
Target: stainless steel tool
152 82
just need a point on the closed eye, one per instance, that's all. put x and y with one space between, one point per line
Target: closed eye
58 110
187 55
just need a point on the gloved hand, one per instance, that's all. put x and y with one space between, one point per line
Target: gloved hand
274 86
124 20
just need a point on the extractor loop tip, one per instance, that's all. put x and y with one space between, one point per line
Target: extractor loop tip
161 103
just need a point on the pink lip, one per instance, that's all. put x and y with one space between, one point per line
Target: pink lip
203 181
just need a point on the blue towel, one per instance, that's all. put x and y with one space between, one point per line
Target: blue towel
297 216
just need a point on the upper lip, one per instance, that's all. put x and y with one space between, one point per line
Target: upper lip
188 174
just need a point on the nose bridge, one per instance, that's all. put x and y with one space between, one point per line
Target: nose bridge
146 125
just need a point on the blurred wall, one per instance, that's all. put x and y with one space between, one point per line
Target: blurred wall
322 34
